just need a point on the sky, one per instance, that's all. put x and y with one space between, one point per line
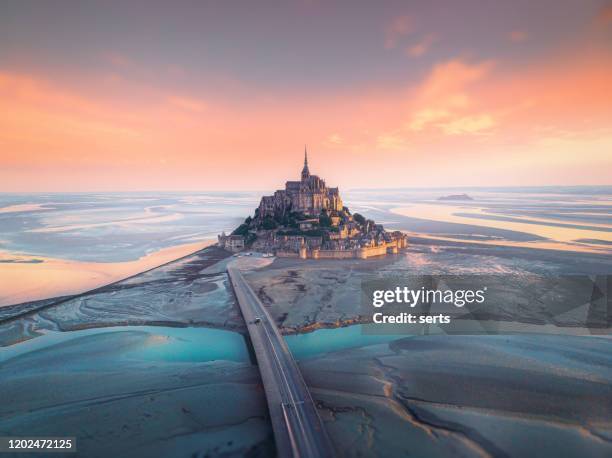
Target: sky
223 95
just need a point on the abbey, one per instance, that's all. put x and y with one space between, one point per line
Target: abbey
309 220
309 196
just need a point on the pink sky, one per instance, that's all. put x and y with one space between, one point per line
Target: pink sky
462 115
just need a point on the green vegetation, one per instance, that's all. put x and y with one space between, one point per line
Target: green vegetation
359 219
299 216
292 219
314 233
289 223
290 232
325 220
269 223
309 233
243 229
289 220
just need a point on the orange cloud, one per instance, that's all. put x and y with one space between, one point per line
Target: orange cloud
548 123
443 101
472 124
451 78
467 120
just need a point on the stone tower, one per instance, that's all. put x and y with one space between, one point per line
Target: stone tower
305 171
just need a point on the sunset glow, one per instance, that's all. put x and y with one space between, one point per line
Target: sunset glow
419 97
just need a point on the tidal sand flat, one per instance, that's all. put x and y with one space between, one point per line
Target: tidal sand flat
304 295
471 396
57 244
157 364
564 233
573 219
181 293
30 278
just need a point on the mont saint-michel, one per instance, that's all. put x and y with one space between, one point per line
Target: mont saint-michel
308 219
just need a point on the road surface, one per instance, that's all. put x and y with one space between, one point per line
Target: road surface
298 430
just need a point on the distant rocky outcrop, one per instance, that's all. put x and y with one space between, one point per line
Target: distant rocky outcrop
456 197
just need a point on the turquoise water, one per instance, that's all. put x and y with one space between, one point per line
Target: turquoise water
154 343
193 345
328 340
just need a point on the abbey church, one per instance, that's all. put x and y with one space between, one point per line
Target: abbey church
309 196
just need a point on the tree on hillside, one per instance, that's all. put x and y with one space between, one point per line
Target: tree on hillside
359 218
243 229
324 220
269 223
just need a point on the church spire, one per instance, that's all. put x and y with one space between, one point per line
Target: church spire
305 171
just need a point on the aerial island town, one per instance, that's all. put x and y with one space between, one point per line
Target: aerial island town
308 220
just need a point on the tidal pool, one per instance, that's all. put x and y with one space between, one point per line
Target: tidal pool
328 340
157 343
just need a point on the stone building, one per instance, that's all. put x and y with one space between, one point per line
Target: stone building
232 243
309 196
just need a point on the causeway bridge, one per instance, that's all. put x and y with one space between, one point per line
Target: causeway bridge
298 429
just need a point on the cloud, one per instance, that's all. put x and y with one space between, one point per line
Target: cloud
391 141
475 124
452 77
426 117
421 48
335 139
397 28
443 100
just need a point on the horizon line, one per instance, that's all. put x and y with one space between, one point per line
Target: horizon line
395 188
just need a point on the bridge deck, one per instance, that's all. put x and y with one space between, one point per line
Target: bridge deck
298 430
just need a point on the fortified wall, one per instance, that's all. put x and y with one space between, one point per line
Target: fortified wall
384 248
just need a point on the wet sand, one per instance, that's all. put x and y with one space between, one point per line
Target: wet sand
471 396
26 278
551 234
188 292
305 295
